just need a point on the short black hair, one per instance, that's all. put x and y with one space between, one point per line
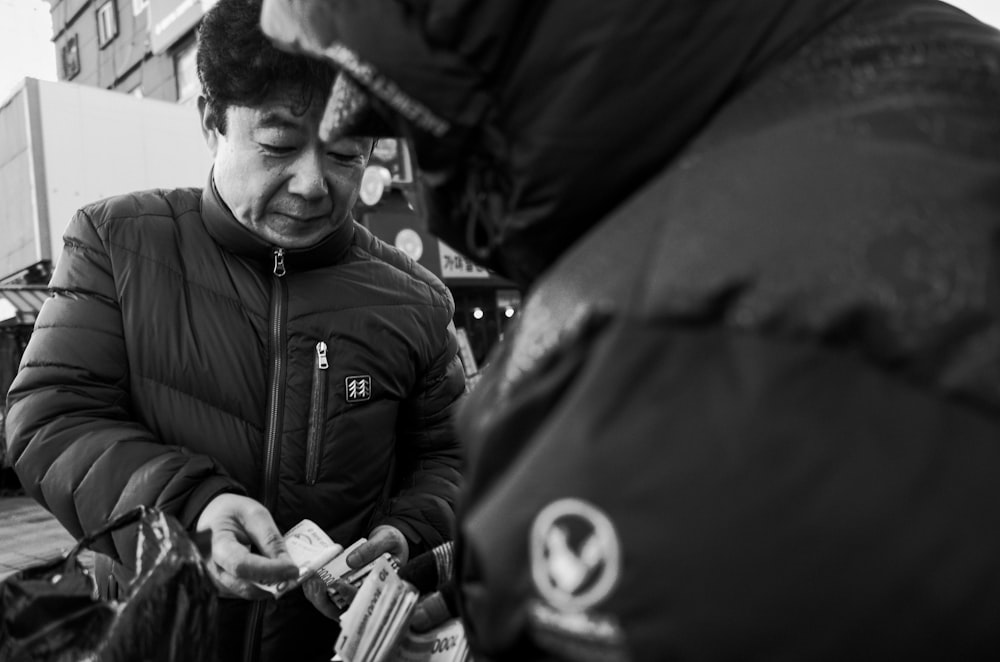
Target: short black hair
237 65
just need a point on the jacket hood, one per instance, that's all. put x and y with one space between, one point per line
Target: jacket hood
532 120
237 238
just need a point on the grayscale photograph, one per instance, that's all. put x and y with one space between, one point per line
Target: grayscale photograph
499 330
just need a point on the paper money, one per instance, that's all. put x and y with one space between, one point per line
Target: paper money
337 569
378 615
445 643
310 549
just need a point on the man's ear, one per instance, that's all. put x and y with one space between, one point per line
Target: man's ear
209 124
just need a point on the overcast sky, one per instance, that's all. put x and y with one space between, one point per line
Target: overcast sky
26 31
25 46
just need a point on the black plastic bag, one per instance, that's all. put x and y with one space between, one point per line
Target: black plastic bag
50 613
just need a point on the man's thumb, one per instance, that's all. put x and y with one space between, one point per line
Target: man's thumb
266 537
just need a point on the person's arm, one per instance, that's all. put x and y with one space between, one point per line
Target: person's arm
429 456
72 437
421 511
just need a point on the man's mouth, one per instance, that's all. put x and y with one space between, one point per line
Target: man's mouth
307 217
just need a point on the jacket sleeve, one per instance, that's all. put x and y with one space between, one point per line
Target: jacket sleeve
72 437
429 456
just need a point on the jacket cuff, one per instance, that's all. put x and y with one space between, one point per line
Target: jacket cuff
200 497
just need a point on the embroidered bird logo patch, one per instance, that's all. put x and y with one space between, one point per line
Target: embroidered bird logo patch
575 555
569 568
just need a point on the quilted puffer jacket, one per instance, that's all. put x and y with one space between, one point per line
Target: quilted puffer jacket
750 409
754 414
180 357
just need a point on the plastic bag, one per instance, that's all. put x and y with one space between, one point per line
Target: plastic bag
50 613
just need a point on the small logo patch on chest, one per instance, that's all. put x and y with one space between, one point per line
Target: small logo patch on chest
358 388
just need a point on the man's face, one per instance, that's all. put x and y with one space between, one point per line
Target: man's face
276 175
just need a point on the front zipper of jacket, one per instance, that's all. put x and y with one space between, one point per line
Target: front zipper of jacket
272 435
276 395
317 414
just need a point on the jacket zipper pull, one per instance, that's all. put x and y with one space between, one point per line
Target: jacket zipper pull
321 361
279 262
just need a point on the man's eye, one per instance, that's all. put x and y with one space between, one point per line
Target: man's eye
343 156
277 149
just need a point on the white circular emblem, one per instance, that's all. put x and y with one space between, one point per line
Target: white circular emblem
374 181
409 241
385 149
575 555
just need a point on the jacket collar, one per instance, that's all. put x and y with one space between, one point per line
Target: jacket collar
236 238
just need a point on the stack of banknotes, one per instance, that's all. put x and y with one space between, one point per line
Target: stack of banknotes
378 616
337 569
375 623
445 643
310 549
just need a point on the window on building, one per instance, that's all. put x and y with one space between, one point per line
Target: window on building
186 68
107 23
71 58
139 6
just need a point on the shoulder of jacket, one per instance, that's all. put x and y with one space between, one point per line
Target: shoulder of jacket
402 265
168 204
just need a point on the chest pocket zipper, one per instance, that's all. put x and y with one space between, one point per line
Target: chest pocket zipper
317 414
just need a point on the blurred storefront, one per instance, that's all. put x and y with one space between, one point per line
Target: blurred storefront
484 302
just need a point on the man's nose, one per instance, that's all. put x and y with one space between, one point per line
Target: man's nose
308 177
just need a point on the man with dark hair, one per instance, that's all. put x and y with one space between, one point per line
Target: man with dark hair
244 357
236 69
750 409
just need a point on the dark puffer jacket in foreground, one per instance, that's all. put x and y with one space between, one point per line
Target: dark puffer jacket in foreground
754 414
175 362
751 407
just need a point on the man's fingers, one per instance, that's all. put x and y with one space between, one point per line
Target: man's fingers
430 612
273 564
235 559
232 587
227 551
260 529
383 539
261 569
362 555
315 592
345 590
240 526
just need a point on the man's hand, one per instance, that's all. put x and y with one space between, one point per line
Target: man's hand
430 612
246 547
382 539
315 591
